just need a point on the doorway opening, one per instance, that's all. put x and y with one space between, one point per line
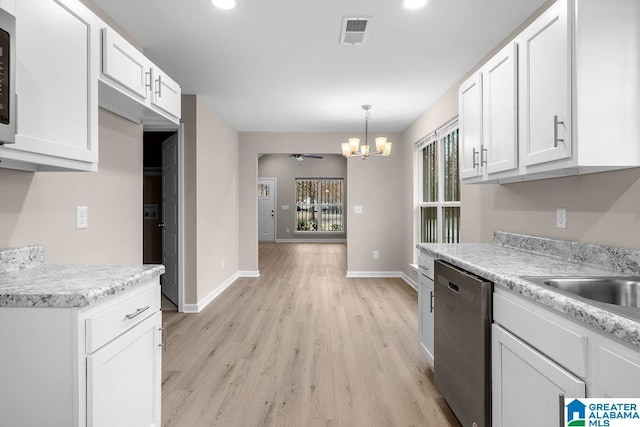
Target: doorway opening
161 211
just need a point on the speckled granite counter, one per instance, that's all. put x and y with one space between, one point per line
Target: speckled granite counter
515 255
26 282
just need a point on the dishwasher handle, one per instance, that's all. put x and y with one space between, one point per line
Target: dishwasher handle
454 288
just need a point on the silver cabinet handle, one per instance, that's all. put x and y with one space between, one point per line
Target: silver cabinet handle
483 155
147 80
561 405
161 225
475 154
15 107
431 302
138 312
556 140
159 86
424 267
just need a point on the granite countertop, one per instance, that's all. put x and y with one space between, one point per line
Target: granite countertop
27 282
513 256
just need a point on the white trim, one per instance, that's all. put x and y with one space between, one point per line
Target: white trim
248 273
179 128
181 219
410 281
197 308
311 240
352 274
384 274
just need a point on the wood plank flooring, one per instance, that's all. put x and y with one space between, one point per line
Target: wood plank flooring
301 346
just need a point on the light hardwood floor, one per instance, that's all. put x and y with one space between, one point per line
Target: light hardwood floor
301 346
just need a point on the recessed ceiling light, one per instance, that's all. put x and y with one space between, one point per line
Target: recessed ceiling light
224 4
413 4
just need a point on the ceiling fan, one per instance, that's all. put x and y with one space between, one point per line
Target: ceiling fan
301 157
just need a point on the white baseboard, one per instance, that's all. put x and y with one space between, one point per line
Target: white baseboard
311 240
410 281
398 274
351 274
197 308
248 273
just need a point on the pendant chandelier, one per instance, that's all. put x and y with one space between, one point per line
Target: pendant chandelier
354 149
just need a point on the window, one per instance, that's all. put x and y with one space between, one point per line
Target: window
319 204
439 203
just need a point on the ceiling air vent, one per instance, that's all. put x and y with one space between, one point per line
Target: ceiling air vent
354 30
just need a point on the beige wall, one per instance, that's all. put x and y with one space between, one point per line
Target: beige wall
41 207
211 199
374 184
286 170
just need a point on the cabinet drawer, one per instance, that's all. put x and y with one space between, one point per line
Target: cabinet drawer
425 265
121 316
548 333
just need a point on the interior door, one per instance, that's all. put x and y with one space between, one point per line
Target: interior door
169 280
266 209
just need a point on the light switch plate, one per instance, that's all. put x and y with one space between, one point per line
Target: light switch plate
82 217
561 218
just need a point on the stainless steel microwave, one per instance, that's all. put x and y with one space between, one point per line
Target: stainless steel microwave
7 78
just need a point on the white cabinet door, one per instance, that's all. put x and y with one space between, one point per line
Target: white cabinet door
124 378
499 112
125 64
545 87
613 362
425 316
470 111
166 93
526 386
57 79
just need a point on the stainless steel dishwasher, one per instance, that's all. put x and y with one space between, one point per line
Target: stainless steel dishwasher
462 350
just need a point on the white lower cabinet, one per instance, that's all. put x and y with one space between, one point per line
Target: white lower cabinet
425 307
539 354
526 386
98 365
126 375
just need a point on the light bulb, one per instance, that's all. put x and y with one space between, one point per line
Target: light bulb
224 4
413 4
354 143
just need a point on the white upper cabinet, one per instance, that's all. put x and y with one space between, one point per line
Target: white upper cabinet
572 109
545 82
499 111
125 64
57 66
488 119
166 93
470 119
133 87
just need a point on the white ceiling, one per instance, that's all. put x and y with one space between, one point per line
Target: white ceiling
276 65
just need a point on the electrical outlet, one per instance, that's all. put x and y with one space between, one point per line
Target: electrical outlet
222 263
376 255
288 230
561 218
82 217
357 210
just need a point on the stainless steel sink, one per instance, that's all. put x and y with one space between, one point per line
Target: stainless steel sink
619 291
